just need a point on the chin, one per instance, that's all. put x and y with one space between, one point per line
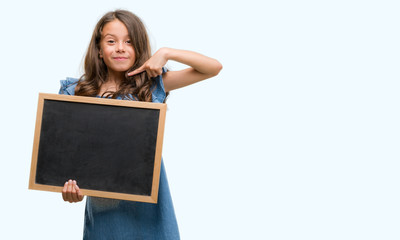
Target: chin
121 70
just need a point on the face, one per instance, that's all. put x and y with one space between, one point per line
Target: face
115 48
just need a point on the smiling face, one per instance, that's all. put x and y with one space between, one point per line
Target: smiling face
116 48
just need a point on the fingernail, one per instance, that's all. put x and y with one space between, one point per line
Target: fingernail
74 182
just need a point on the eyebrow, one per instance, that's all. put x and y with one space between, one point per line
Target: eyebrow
112 35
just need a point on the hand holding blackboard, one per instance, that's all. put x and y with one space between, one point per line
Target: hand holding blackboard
71 192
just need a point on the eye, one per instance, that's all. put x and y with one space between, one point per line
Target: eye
110 41
128 41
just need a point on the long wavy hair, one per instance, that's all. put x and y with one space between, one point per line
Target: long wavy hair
95 70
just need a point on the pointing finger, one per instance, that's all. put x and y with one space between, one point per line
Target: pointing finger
138 70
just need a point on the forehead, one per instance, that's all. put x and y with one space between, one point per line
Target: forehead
115 28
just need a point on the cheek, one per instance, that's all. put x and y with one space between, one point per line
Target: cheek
131 51
133 57
105 50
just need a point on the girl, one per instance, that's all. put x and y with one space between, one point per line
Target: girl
119 64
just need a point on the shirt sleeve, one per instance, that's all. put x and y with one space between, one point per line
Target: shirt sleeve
68 86
158 93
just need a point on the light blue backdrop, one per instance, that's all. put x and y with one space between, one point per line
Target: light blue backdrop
297 138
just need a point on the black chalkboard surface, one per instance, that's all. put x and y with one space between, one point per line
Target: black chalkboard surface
111 147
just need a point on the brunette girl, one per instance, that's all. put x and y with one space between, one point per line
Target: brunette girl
119 64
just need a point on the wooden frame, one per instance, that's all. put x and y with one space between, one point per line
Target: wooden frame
43 98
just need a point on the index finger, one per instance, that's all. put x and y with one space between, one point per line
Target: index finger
136 71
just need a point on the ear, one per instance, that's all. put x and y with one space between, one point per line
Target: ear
100 54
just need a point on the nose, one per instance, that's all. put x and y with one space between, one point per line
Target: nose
120 47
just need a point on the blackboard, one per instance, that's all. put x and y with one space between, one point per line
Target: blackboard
111 147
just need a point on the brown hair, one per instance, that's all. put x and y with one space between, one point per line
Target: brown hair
96 73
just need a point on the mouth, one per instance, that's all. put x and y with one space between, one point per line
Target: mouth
120 58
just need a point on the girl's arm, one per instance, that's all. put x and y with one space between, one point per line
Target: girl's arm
201 67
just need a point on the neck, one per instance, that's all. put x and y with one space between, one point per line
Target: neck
115 77
113 81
